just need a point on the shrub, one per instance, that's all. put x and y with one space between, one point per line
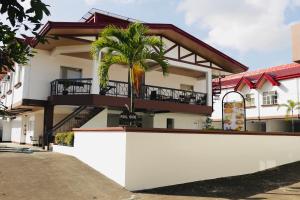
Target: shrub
69 139
64 138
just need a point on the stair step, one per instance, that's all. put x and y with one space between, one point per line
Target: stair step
81 116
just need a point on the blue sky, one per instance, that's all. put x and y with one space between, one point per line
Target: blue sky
254 32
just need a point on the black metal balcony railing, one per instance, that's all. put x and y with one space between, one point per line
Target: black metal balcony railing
71 86
120 89
148 92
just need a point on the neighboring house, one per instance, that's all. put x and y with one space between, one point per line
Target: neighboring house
263 90
59 89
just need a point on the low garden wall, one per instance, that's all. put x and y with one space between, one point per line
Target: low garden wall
64 143
64 150
147 158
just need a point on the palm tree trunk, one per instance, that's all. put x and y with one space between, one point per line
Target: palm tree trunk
293 128
131 123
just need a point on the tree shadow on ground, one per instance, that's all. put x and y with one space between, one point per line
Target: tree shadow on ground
237 187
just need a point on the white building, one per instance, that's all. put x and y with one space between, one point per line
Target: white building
263 90
59 88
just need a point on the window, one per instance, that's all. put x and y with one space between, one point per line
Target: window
170 123
70 73
270 98
250 100
186 87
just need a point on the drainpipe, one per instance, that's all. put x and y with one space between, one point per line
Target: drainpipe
258 110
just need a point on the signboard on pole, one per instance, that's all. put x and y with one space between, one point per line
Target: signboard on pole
234 113
234 118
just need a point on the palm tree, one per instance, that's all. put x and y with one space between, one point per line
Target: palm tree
131 47
290 107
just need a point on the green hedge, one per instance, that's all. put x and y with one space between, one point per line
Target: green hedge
65 138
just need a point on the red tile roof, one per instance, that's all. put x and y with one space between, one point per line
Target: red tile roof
280 72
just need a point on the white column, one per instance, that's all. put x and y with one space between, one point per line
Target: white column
95 81
209 88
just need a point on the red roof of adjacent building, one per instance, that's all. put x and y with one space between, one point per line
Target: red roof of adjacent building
275 73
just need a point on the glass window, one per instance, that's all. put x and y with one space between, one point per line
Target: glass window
250 100
186 87
70 73
270 98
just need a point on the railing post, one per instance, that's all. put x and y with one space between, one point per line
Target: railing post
117 88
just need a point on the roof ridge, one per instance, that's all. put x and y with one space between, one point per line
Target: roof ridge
261 71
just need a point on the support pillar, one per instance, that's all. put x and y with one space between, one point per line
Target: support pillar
48 124
209 88
95 81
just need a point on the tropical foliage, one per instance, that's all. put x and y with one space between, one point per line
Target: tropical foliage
19 23
64 138
290 106
131 47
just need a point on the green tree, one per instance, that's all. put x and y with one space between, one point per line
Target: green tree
131 47
290 106
18 23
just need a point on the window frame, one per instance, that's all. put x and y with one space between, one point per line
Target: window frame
251 97
182 85
71 69
270 98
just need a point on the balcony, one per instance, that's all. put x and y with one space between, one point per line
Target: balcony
120 89
71 86
156 93
77 92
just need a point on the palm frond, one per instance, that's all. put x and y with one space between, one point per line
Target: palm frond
114 32
282 105
105 64
158 58
131 46
291 103
105 43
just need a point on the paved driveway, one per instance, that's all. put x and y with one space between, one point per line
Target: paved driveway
30 175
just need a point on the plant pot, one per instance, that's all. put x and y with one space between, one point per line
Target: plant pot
65 92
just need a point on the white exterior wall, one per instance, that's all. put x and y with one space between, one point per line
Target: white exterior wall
17 134
288 90
104 152
14 130
43 68
6 131
34 123
129 158
181 158
99 121
38 86
156 78
181 120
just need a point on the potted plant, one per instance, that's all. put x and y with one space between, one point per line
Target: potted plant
66 84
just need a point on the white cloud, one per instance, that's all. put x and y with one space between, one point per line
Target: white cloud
91 2
243 25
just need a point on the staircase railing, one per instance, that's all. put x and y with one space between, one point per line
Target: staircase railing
67 118
76 119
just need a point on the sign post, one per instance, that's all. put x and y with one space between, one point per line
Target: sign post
234 113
